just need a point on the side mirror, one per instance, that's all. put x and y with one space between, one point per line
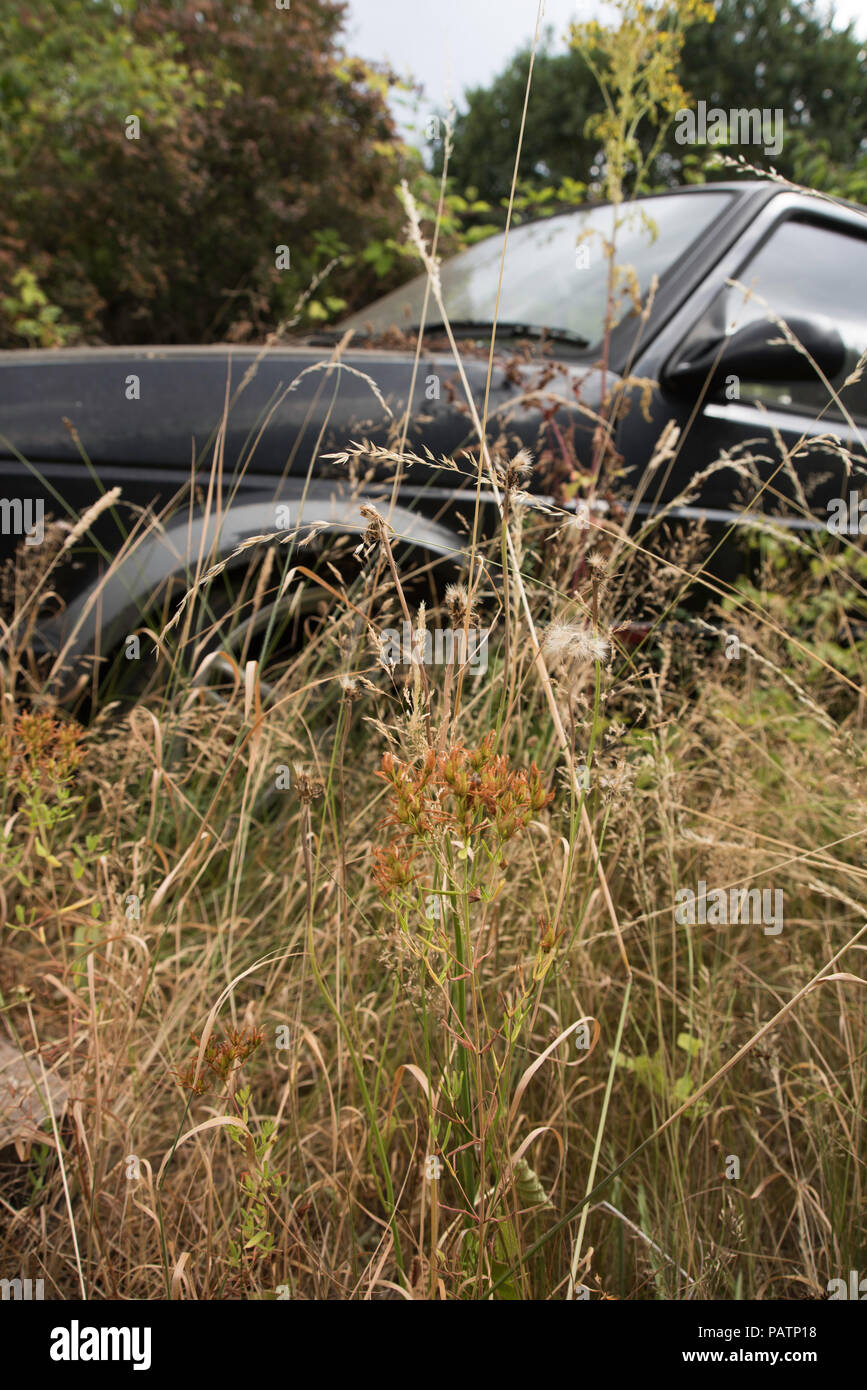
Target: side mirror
760 352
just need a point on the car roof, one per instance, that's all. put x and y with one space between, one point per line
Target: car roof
776 185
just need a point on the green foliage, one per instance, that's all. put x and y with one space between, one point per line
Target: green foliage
252 130
29 314
38 761
635 67
775 54
556 145
784 54
653 1070
819 599
259 1188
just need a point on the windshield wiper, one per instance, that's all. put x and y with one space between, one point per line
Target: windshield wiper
477 328
465 328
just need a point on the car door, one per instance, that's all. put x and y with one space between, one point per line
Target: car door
803 260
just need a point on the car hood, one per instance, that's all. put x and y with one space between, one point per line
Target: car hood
162 407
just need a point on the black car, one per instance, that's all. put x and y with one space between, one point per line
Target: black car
247 437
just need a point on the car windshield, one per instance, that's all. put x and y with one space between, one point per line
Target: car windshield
556 273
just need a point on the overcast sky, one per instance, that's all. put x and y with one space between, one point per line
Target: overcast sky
453 44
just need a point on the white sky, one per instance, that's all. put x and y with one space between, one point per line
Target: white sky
453 44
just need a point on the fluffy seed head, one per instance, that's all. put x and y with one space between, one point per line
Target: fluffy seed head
570 643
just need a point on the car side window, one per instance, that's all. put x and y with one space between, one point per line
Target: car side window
807 269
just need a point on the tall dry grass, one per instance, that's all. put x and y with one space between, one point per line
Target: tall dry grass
300 940
367 982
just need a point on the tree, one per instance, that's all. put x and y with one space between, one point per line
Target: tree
784 55
776 54
179 170
556 146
